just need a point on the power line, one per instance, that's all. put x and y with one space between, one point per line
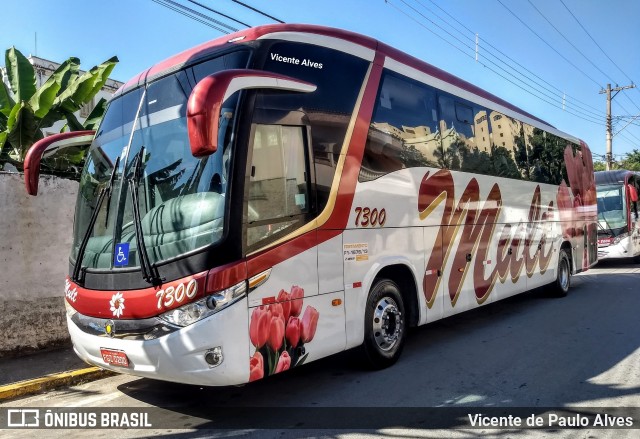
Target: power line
550 46
204 16
218 12
567 40
258 11
567 100
594 41
481 63
583 106
186 14
602 50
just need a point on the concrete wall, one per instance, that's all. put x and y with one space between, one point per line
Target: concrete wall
35 240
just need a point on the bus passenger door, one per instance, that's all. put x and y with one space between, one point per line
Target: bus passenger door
282 245
279 204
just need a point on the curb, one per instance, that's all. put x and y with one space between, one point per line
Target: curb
52 381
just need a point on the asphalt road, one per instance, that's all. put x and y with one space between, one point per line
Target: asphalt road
520 356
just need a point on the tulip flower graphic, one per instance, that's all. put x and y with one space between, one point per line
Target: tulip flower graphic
309 324
284 362
297 295
292 332
276 333
279 335
259 326
284 299
256 367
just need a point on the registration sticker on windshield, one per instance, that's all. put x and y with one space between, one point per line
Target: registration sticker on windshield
121 254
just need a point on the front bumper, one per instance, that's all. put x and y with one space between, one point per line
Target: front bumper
179 355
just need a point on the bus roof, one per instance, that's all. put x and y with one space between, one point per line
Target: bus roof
618 176
202 51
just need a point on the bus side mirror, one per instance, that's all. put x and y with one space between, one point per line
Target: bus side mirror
207 97
46 147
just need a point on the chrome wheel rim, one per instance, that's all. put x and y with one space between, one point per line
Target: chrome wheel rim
387 324
563 276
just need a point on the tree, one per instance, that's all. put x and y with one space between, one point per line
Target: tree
25 111
632 161
599 166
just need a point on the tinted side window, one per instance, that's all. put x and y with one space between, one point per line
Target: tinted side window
338 77
278 191
404 128
476 140
233 60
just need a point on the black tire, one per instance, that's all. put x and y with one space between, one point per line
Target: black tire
384 325
563 280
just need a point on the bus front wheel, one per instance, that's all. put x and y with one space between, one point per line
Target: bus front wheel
563 281
384 320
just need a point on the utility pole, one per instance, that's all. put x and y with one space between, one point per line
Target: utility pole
609 157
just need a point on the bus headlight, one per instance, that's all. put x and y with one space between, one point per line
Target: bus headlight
620 237
192 312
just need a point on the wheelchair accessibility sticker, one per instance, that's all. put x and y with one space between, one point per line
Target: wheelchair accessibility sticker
121 255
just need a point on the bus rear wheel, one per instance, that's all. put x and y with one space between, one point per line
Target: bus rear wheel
384 320
563 281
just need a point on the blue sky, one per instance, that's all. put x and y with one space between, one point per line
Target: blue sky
142 33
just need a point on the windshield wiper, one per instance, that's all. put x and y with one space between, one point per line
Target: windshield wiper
607 231
149 273
105 191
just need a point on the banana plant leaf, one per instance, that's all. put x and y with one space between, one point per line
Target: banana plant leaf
84 88
22 77
94 118
21 128
6 103
43 99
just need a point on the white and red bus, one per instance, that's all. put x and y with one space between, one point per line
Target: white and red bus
618 226
291 191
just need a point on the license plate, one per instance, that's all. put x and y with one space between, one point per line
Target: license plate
115 358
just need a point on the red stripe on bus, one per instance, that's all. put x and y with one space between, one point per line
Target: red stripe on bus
351 169
226 276
133 304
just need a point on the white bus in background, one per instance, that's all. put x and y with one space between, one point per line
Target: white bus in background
618 226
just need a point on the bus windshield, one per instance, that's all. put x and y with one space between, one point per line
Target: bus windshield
181 199
611 207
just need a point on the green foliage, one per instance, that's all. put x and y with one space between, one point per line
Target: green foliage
411 157
632 161
599 166
25 111
498 161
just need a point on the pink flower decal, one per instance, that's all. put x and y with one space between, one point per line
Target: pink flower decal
284 299
309 324
284 363
297 294
259 326
276 333
292 332
256 367
279 335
